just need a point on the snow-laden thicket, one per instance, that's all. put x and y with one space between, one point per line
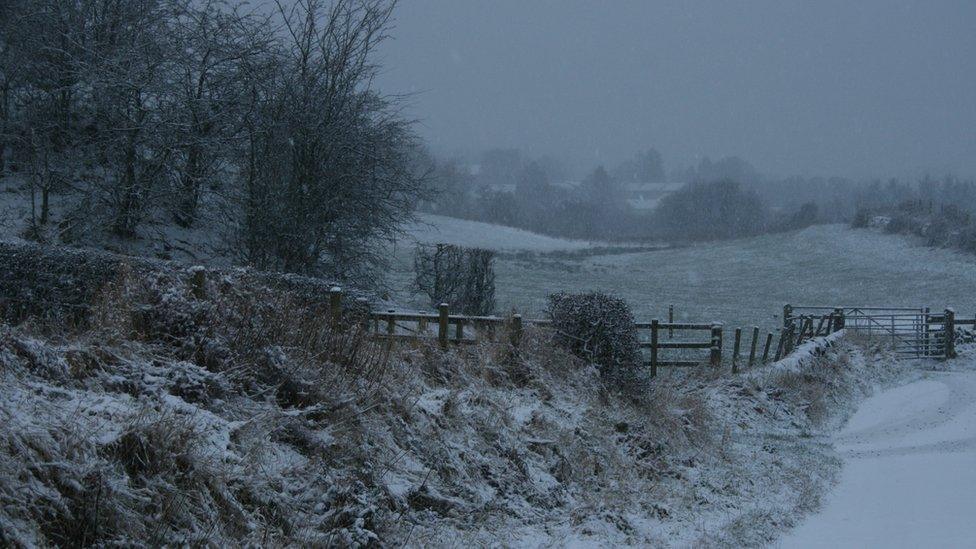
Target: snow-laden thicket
260 126
242 417
600 329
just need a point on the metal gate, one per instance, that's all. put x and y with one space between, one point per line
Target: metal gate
914 333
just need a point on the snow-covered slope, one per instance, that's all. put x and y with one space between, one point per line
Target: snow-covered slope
433 229
235 416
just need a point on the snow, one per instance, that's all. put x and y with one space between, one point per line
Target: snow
909 477
434 229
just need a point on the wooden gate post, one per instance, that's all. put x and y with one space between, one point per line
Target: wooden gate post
335 307
735 350
752 348
791 337
838 319
949 327
716 354
654 324
787 313
442 320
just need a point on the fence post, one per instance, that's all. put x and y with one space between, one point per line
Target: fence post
516 331
459 331
654 327
363 308
791 341
198 279
443 312
838 319
781 346
670 321
735 350
390 323
769 343
949 327
752 348
335 306
787 313
716 355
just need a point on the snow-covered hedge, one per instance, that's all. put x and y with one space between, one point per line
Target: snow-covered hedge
599 328
57 283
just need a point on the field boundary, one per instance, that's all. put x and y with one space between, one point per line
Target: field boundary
668 344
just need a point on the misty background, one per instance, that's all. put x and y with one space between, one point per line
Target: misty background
876 88
310 135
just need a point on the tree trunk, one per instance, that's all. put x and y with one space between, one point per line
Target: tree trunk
189 189
4 118
124 224
45 209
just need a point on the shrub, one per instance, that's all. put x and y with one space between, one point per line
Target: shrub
599 328
464 278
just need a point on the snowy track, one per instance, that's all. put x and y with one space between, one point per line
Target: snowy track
909 475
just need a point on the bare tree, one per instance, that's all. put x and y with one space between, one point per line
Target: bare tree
217 44
41 94
464 278
328 169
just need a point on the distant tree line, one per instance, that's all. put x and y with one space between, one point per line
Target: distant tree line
510 189
943 213
724 198
187 112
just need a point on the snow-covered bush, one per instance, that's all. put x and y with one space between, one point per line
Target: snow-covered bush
599 328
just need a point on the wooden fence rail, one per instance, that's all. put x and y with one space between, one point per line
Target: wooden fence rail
452 329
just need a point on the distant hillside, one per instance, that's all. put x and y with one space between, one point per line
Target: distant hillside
449 230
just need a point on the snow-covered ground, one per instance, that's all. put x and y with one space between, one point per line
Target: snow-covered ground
909 474
433 229
233 403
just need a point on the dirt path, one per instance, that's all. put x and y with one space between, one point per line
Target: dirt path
909 475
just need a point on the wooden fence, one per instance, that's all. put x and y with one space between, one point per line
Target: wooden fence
664 344
915 332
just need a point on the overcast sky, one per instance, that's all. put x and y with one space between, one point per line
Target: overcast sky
862 88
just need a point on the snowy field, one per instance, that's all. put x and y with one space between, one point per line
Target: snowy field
433 229
909 478
740 283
